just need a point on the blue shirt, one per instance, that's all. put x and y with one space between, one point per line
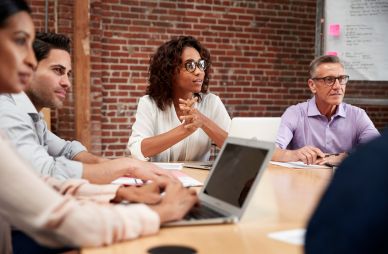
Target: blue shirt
47 153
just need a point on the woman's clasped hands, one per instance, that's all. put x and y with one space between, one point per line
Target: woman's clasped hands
191 118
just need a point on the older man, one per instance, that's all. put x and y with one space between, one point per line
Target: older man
323 129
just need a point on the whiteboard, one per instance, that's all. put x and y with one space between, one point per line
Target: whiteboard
357 31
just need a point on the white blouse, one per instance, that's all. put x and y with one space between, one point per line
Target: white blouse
151 121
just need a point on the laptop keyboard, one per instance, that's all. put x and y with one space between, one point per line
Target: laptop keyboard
202 212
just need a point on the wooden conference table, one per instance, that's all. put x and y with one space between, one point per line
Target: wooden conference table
284 200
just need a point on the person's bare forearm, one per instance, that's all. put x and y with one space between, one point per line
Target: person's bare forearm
281 155
106 172
86 157
157 144
215 133
306 154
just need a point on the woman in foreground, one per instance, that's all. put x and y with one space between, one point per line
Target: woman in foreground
35 206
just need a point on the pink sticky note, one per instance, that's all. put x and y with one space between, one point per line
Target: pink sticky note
332 53
334 29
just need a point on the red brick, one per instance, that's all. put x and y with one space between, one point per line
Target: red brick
260 51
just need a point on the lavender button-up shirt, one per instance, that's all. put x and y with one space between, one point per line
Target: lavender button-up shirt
303 125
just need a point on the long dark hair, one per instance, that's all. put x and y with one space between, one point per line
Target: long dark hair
11 7
164 65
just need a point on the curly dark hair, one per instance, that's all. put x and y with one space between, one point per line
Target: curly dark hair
165 63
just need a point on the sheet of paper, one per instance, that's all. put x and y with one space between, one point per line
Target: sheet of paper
294 236
186 180
297 164
169 166
127 181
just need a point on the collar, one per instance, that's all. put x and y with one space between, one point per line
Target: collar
312 109
24 103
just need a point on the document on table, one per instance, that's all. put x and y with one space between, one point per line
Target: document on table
294 236
297 164
169 166
186 180
127 181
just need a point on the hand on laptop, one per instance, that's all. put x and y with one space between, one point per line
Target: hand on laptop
176 202
148 193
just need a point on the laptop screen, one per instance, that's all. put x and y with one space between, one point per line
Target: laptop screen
235 172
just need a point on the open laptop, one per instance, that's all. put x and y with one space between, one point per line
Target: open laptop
261 128
231 183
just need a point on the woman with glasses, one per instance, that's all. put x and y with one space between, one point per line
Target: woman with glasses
178 119
323 129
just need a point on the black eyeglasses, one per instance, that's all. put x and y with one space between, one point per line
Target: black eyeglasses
191 65
330 80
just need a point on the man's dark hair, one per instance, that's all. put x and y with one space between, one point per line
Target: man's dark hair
44 42
164 65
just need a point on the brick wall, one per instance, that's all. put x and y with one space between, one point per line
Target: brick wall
260 52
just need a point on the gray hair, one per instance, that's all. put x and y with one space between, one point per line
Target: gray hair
323 59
